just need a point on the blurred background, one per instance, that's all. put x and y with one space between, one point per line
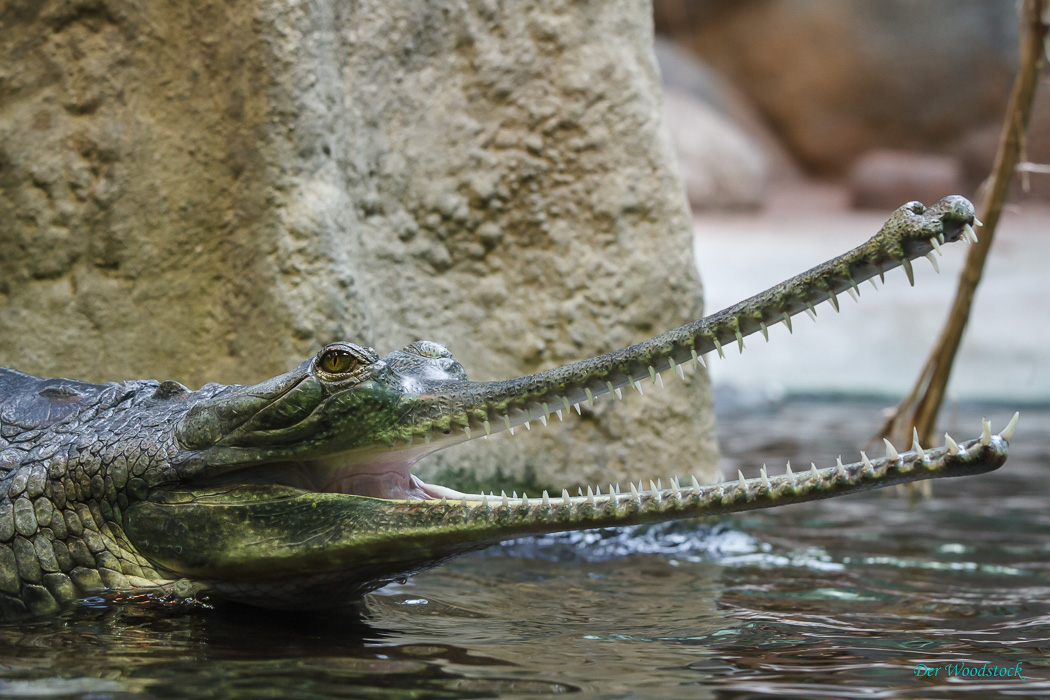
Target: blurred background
799 125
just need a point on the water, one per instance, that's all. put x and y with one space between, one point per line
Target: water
834 599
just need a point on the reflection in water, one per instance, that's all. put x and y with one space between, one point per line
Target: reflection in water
834 599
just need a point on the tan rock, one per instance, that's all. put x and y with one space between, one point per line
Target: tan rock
211 191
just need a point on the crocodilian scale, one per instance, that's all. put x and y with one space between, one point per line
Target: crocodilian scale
297 492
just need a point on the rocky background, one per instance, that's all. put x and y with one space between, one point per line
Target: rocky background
895 99
211 191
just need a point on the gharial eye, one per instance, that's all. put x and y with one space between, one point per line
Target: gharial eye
336 361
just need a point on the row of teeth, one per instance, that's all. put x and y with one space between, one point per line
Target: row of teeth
544 412
675 491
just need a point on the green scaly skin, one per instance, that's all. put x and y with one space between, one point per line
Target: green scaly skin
297 492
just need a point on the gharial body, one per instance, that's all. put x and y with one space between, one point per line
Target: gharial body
297 493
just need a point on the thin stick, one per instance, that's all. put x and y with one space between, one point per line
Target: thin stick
919 410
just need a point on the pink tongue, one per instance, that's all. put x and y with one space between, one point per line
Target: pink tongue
393 484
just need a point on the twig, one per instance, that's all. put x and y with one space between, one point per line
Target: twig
919 410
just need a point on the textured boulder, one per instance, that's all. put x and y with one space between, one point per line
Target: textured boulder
210 194
839 78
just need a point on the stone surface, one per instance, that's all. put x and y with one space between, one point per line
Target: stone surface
683 73
210 192
837 78
884 179
721 167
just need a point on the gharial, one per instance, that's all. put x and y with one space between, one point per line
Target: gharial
296 492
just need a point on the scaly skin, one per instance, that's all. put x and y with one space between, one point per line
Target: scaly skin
296 492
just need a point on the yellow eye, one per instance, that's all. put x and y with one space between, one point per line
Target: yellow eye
336 362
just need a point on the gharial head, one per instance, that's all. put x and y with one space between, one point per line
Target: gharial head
303 482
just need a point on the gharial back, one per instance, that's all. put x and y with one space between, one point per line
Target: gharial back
29 403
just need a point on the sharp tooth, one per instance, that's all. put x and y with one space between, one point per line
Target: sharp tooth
634 492
557 412
813 471
882 276
697 360
506 421
598 491
638 386
674 483
610 387
740 341
528 426
790 474
506 501
512 431
464 505
546 412
853 284
953 446
659 381
853 294
933 261
565 403
466 431
694 483
543 419
484 501
891 451
908 271
1008 431
986 432
577 407
681 375
659 486
867 463
936 245
652 486
787 321
969 234
977 222
617 489
579 490
841 467
590 395
718 347
619 394
873 285
565 497
833 299
743 481
590 497
915 446
488 428
940 237
652 374
546 500
811 311
444 502
525 500
764 475
613 491
675 490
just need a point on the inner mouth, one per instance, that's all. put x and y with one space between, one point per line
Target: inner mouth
390 480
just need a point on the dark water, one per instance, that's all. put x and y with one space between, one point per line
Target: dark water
841 598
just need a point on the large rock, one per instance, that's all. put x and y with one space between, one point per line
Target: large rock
837 78
210 194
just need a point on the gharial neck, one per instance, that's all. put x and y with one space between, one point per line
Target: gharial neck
469 409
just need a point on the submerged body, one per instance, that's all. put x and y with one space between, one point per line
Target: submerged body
297 492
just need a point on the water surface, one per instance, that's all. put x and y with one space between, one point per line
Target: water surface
839 598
